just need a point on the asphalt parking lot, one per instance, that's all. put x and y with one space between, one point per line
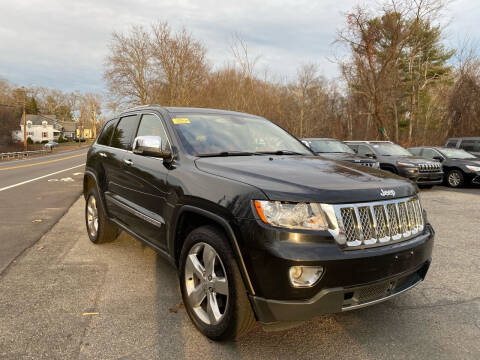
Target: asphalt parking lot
66 298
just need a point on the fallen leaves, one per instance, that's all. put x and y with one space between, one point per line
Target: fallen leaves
176 308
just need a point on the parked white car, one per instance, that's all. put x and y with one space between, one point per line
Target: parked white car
51 144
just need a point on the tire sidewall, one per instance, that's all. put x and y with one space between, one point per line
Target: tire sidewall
93 192
211 237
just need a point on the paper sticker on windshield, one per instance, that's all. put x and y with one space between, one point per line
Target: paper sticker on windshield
177 121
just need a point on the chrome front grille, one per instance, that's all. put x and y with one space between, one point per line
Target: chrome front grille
430 167
378 223
369 164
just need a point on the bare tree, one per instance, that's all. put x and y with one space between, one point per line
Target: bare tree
129 69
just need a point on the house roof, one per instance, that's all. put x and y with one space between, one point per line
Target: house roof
68 125
38 119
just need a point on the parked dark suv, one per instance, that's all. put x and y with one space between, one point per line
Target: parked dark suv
259 227
459 166
335 149
398 160
469 144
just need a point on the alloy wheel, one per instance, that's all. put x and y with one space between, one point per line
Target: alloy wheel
454 179
206 283
92 216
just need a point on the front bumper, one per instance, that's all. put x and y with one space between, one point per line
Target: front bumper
422 178
339 299
349 275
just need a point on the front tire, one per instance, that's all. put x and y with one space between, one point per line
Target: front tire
212 288
455 178
99 228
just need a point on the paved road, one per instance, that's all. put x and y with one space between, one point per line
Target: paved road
134 297
34 194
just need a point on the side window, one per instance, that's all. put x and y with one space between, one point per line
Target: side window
430 153
364 150
152 125
452 143
106 134
353 147
124 132
468 145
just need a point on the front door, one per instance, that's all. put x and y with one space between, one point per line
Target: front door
146 185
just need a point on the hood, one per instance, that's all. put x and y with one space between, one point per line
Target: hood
417 160
308 178
347 157
472 162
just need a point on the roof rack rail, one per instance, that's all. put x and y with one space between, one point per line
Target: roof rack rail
140 107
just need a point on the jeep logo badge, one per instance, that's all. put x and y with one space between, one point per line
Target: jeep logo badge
390 192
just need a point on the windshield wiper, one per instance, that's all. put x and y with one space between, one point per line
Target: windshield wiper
229 153
281 152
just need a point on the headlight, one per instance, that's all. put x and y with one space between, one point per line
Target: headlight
306 216
473 168
401 163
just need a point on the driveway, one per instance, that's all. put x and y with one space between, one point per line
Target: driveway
66 298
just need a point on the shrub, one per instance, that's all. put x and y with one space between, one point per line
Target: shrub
61 139
44 141
29 140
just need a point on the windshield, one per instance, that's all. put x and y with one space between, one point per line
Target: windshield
457 154
329 146
389 149
214 134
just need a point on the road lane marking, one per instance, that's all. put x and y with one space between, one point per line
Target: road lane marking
38 178
43 162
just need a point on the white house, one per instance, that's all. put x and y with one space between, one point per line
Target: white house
39 128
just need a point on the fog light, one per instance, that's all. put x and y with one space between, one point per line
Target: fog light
305 276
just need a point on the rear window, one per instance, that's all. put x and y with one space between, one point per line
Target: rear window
106 134
470 145
124 132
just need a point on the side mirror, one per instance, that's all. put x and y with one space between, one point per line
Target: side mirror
371 155
439 158
151 146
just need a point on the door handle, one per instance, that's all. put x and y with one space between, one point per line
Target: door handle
102 154
128 162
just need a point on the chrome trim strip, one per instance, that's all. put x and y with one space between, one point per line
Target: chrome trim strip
135 212
376 301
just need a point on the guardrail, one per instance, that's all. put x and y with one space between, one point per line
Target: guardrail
22 154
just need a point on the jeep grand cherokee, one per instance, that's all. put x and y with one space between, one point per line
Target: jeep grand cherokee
259 227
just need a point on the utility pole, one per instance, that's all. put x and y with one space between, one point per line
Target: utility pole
94 122
24 115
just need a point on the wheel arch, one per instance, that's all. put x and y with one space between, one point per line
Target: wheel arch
191 217
89 180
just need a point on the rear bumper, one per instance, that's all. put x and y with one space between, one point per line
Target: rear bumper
334 300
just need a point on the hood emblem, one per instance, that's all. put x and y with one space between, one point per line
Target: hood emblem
390 192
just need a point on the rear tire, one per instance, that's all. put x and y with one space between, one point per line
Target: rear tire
455 178
99 228
215 284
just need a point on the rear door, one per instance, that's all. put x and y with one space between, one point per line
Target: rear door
146 187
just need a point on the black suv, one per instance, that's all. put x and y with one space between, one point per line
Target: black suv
470 144
259 227
334 149
459 166
398 160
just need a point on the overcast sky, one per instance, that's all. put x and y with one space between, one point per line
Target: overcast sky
62 43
